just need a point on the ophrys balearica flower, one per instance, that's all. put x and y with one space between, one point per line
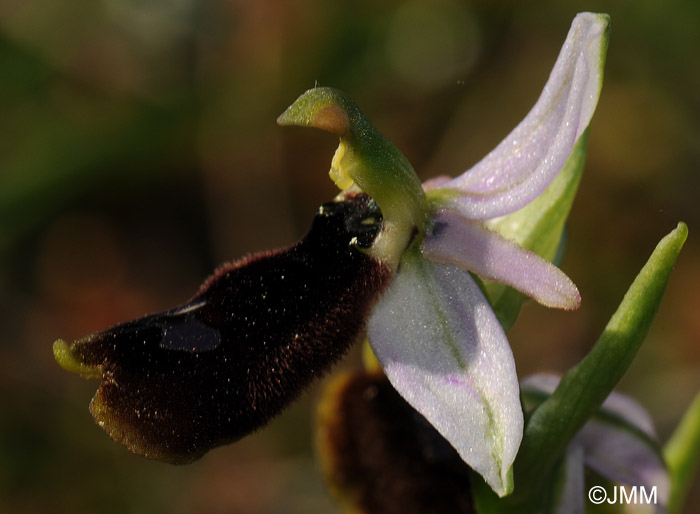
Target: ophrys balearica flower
178 383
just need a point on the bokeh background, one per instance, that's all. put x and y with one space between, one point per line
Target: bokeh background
138 149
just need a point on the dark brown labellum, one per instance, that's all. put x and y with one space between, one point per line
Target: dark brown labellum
259 330
382 456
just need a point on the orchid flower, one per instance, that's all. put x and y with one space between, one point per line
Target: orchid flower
433 331
618 443
389 250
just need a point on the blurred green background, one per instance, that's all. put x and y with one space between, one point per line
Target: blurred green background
138 149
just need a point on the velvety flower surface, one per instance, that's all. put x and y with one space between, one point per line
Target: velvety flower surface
618 443
177 383
433 331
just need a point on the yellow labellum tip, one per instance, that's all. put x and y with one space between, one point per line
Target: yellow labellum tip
67 359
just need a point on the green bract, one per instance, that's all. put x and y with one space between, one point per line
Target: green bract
584 388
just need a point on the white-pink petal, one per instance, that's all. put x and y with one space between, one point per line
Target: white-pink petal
445 352
472 246
522 166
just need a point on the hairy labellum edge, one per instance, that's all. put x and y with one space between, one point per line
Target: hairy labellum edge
178 383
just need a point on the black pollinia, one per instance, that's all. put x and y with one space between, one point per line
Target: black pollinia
258 331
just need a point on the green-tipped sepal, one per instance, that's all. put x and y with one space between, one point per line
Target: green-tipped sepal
366 159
